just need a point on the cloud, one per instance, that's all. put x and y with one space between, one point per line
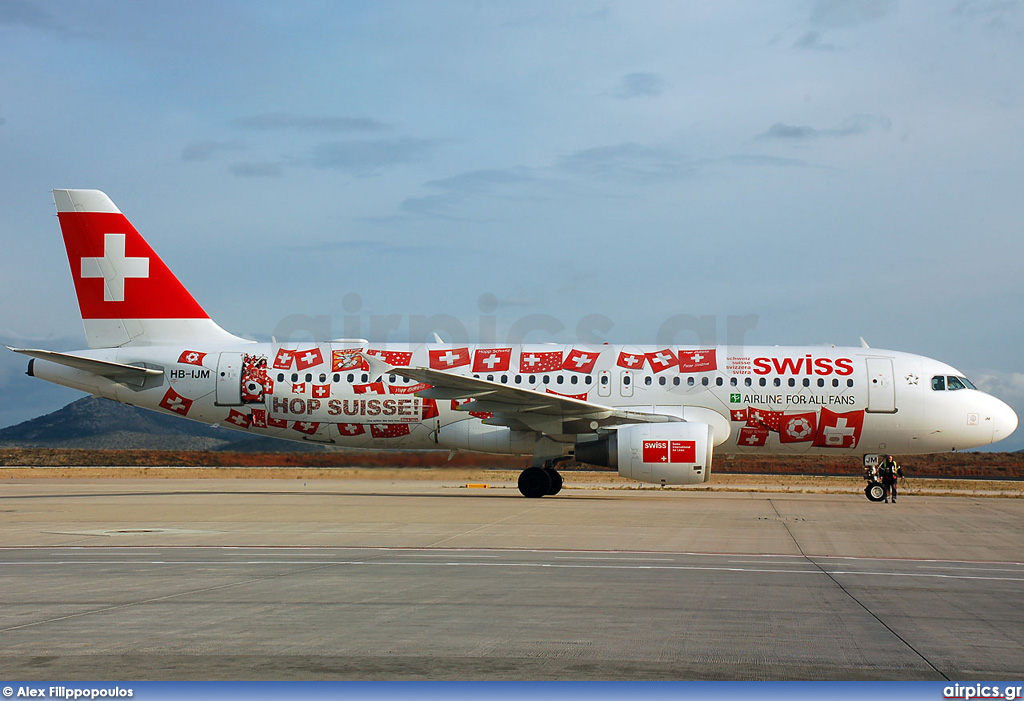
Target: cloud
1008 386
839 14
279 121
257 170
364 158
431 205
639 85
458 189
854 126
628 161
206 150
811 41
754 159
482 180
27 14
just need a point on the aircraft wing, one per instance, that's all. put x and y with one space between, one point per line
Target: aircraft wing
520 408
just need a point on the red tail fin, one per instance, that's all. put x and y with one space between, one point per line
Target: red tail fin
126 294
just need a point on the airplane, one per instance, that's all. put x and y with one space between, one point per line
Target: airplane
655 414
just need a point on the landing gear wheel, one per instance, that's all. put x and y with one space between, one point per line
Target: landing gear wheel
556 480
535 482
874 491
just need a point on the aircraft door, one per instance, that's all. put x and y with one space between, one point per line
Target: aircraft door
229 379
604 384
626 384
881 387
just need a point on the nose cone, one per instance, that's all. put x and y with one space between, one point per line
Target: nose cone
1004 420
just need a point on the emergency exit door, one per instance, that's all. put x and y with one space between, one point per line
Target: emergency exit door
881 387
625 384
229 379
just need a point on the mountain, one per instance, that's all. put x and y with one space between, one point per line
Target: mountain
101 424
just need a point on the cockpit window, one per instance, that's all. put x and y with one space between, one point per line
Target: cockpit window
951 383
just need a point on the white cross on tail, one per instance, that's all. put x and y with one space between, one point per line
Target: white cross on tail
114 267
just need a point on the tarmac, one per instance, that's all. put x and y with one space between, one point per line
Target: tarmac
405 579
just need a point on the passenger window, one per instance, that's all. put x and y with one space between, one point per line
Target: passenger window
533 379
807 382
587 380
690 381
762 382
748 381
821 382
295 377
625 379
323 378
792 382
676 380
662 380
777 382
733 381
835 382
490 378
574 379
849 383
280 377
391 379
719 381
365 377
647 380
351 378
704 381
954 383
604 380
939 383
547 379
560 379
504 379
519 379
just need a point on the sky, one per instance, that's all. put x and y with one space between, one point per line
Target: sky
793 172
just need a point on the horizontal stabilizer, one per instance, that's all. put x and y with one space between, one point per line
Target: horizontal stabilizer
103 368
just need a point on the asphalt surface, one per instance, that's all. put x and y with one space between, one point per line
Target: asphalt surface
265 579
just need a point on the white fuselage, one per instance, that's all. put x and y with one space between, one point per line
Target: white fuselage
779 400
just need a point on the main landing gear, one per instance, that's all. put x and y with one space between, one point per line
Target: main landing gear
536 482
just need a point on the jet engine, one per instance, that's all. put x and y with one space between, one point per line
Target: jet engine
665 453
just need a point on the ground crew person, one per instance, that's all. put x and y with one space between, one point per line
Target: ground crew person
889 470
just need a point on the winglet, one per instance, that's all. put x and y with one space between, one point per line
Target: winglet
378 368
863 343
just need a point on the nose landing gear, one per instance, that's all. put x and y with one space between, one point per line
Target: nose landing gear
874 491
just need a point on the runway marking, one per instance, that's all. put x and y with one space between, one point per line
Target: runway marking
440 555
617 559
128 604
975 569
449 549
525 565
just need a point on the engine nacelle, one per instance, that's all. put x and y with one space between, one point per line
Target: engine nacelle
667 453
470 434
